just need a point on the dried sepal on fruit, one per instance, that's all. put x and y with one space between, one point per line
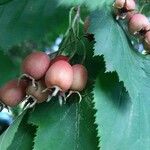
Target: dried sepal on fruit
35 66
35 94
138 24
124 8
80 77
12 93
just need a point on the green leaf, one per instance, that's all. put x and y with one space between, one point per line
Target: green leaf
9 69
92 5
70 126
29 20
132 67
24 136
123 123
66 127
144 6
146 10
7 137
4 1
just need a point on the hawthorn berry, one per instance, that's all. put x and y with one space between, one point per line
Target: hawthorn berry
80 77
59 76
123 8
137 23
12 93
35 65
59 57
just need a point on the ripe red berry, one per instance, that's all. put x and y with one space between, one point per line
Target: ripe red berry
137 23
80 77
59 74
37 93
36 64
59 57
123 8
12 93
129 4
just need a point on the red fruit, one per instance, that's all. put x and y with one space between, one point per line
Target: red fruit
36 64
59 57
59 74
124 8
137 23
147 41
12 93
37 92
80 77
129 4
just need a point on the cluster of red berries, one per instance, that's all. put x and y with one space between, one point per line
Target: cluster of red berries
44 78
138 24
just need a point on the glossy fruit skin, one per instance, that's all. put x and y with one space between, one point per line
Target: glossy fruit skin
59 57
130 4
137 23
37 93
12 93
147 42
59 74
36 64
80 77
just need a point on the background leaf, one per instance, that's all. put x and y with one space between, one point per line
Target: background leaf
7 137
24 136
124 123
119 54
92 5
4 1
27 20
63 127
9 69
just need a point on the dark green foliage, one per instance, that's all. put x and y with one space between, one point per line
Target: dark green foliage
114 113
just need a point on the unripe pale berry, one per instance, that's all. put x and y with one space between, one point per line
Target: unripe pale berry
12 93
36 64
80 77
147 41
59 74
37 93
137 23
